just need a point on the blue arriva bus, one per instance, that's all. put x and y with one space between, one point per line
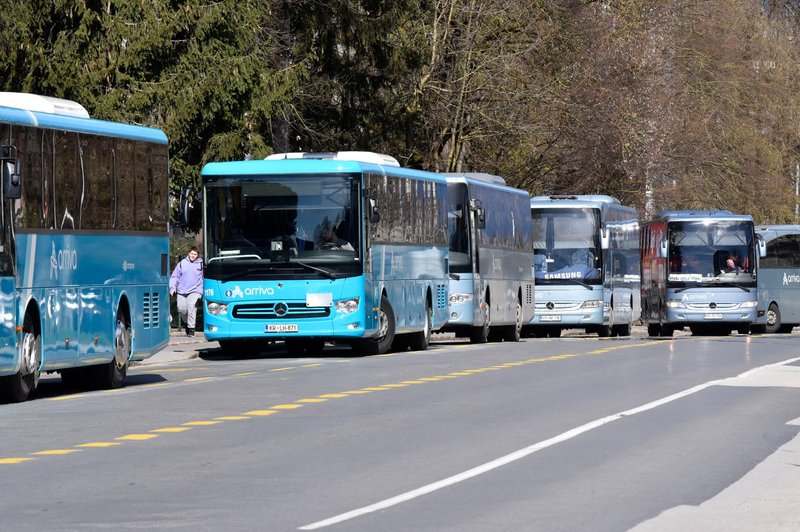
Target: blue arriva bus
84 252
778 280
491 249
308 248
586 265
699 271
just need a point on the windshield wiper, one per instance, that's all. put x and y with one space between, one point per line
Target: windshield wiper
327 273
712 285
561 281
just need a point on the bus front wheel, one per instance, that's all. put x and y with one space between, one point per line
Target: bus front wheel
773 319
419 341
480 334
381 342
17 388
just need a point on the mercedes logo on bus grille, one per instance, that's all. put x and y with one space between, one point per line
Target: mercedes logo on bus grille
712 305
281 309
550 305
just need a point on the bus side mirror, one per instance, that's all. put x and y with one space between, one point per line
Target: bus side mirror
480 218
184 203
605 238
11 172
662 248
374 213
762 246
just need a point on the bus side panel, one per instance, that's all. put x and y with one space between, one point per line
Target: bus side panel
407 273
9 353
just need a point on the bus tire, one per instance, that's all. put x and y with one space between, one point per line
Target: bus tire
653 329
514 332
604 331
667 330
480 334
743 329
17 388
382 342
621 330
773 324
315 346
295 346
419 341
112 375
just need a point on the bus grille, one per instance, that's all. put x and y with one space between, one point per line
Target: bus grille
266 311
150 310
441 296
558 306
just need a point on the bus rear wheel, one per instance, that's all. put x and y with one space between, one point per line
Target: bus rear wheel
17 388
480 334
112 375
514 332
419 341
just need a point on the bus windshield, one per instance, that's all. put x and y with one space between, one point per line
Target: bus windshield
282 224
711 252
566 246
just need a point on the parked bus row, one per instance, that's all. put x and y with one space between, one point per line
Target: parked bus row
347 247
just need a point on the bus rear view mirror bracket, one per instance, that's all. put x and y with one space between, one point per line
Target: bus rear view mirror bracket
480 214
184 204
374 213
605 238
11 172
762 246
662 248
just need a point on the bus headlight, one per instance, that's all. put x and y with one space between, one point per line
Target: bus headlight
217 309
592 303
460 298
749 304
347 305
674 303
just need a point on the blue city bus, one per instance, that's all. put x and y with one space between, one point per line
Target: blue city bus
84 252
491 249
699 271
307 248
778 280
586 265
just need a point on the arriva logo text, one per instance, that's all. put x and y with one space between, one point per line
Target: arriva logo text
789 278
64 259
249 291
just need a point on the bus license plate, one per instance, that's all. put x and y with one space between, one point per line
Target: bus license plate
713 316
550 318
281 327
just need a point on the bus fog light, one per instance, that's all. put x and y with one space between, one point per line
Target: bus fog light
460 298
674 303
212 328
347 305
217 309
748 304
354 326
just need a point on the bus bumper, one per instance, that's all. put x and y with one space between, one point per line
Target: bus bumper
574 316
709 316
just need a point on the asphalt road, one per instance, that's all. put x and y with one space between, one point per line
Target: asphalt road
560 434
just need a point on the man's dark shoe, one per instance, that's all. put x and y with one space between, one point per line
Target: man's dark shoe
189 332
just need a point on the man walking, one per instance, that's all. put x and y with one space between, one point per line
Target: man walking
187 282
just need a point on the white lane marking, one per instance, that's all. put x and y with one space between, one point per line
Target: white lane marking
522 453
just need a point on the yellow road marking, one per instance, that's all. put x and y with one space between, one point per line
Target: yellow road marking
14 460
170 370
430 379
99 444
448 376
394 385
311 400
413 382
286 407
260 412
172 429
67 397
200 423
282 369
374 388
245 374
337 395
349 392
53 452
310 365
137 437
232 418
198 379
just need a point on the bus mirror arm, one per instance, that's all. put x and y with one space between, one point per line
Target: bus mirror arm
662 249
605 240
11 172
762 246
